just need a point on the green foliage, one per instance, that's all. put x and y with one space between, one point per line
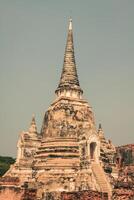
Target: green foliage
5 163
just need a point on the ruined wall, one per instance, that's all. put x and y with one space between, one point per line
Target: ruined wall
10 189
123 194
10 193
124 185
17 193
81 195
84 195
125 155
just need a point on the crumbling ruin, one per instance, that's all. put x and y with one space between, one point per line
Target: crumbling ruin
69 159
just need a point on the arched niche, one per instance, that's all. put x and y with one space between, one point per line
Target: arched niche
92 147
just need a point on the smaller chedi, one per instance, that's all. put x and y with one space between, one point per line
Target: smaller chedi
69 156
27 146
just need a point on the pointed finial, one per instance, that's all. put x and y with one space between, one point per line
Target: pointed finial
100 126
33 119
100 132
33 127
70 24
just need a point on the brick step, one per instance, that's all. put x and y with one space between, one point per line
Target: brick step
103 183
101 178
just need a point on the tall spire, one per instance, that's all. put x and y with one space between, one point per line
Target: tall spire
69 78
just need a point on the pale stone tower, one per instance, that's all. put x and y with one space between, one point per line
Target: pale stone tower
68 157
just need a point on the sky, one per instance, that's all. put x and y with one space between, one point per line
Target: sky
32 43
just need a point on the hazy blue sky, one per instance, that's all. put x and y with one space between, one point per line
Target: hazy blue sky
32 42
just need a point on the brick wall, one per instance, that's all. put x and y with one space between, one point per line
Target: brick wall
10 193
17 193
84 195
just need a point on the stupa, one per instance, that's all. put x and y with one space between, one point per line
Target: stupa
68 158
65 156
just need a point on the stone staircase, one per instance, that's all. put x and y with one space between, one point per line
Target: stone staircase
101 179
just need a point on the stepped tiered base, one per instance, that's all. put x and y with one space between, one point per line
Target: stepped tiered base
58 153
